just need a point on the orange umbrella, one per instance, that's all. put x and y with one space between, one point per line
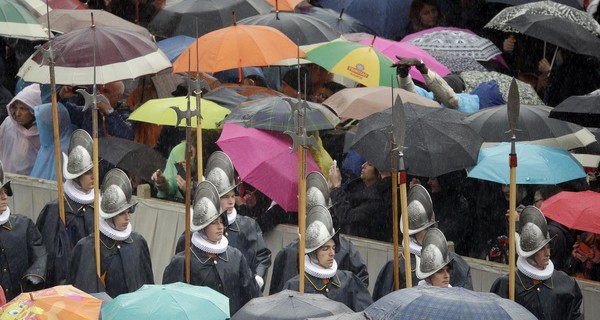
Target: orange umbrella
284 5
236 47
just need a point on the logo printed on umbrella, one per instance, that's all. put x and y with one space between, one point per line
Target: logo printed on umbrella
358 71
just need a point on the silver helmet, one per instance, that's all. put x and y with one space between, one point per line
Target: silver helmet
207 206
434 254
3 182
319 228
534 232
317 191
79 160
219 170
115 194
420 210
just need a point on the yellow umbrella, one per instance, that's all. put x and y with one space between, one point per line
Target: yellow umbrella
159 111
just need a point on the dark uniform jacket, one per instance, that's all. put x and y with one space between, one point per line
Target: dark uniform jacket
125 266
227 273
344 287
557 297
22 254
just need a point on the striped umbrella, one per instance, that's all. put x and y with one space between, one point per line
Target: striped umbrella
17 22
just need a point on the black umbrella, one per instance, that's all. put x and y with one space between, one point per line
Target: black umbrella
180 18
582 110
289 304
437 141
300 28
339 21
132 156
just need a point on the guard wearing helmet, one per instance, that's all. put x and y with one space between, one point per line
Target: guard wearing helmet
434 263
23 255
242 232
420 218
78 199
214 263
125 263
321 273
547 293
347 256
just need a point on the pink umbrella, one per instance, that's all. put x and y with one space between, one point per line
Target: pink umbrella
392 49
263 159
576 210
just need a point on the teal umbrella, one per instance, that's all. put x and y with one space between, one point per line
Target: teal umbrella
17 22
172 301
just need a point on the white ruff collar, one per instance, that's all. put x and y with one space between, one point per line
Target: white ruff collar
318 271
78 195
206 246
414 247
231 217
534 273
108 231
4 216
425 283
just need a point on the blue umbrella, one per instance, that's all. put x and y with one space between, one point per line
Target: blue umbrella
426 302
174 46
537 164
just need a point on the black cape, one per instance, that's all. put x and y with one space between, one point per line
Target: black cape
344 287
346 255
460 275
125 265
22 254
227 273
557 297
59 240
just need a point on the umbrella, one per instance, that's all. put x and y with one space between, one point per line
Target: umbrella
65 20
535 127
236 47
537 165
288 305
278 114
549 8
358 62
576 210
527 94
457 65
558 31
132 156
174 46
437 141
358 103
17 22
195 18
159 111
284 5
121 54
172 301
231 95
60 302
430 302
582 110
572 3
300 28
340 22
66 4
392 49
263 159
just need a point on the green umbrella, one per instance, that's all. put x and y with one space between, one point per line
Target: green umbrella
172 301
17 22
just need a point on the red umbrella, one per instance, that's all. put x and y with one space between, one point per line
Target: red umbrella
67 4
576 210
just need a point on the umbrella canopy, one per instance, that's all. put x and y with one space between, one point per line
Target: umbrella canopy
535 127
300 28
392 49
284 5
429 302
67 4
231 95
158 111
128 155
236 47
340 22
290 305
60 302
172 301
17 22
537 165
359 103
437 141
279 114
195 18
120 54
576 210
582 110
572 3
358 62
263 159
174 46
527 94
65 20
